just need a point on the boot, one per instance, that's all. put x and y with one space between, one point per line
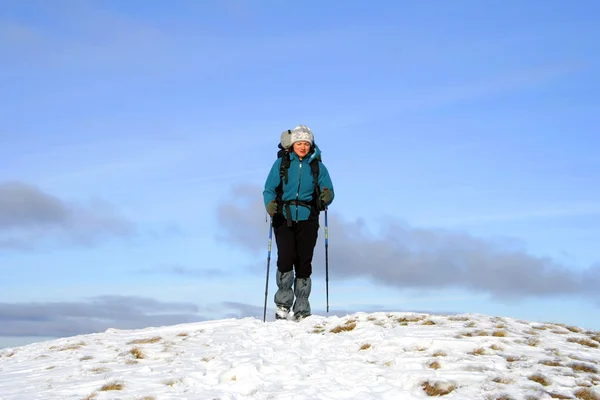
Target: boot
302 288
284 297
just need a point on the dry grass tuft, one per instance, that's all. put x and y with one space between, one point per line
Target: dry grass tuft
434 365
346 327
551 363
559 396
51 367
559 332
147 340
99 370
91 396
574 329
534 342
586 394
496 347
500 333
470 324
541 379
183 334
72 346
365 346
148 398
440 353
112 386
438 388
407 320
532 332
512 358
428 322
137 353
581 367
172 382
478 352
583 342
86 358
504 380
318 329
507 397
459 318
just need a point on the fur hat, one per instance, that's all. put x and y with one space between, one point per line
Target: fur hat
302 133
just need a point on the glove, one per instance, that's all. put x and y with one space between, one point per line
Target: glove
326 197
272 208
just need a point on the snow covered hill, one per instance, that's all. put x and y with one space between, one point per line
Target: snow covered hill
360 356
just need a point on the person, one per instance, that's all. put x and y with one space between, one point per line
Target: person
295 220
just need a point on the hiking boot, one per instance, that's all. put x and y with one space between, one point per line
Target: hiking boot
281 312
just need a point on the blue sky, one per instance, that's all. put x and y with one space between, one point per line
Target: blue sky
461 138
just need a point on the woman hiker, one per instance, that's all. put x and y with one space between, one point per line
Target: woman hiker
295 219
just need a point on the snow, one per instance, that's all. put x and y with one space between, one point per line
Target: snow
359 356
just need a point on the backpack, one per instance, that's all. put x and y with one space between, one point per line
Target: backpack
284 153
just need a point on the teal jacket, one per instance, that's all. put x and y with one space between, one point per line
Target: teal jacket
300 184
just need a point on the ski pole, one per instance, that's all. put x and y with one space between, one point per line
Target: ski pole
268 264
326 260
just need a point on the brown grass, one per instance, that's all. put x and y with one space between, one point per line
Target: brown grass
407 320
478 352
504 380
440 353
437 389
557 332
91 396
172 382
85 358
148 398
72 346
581 367
574 329
99 370
146 341
318 329
112 386
434 365
428 322
137 353
512 358
586 394
496 347
533 342
500 333
541 379
183 334
551 363
559 396
346 327
365 346
583 342
459 318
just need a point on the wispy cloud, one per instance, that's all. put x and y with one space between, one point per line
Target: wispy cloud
407 257
96 315
30 216
183 271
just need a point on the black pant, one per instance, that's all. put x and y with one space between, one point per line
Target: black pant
296 245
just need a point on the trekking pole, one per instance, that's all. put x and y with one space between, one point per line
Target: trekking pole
326 260
268 264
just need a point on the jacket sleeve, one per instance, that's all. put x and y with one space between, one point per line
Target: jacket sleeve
272 182
325 181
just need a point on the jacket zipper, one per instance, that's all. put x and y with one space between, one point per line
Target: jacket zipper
298 190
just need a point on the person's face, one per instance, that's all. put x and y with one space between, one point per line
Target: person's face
301 148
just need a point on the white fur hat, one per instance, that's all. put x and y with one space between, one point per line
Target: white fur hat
302 133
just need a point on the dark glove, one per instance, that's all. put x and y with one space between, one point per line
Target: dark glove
326 197
272 208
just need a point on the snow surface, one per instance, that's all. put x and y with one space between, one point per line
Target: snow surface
360 356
